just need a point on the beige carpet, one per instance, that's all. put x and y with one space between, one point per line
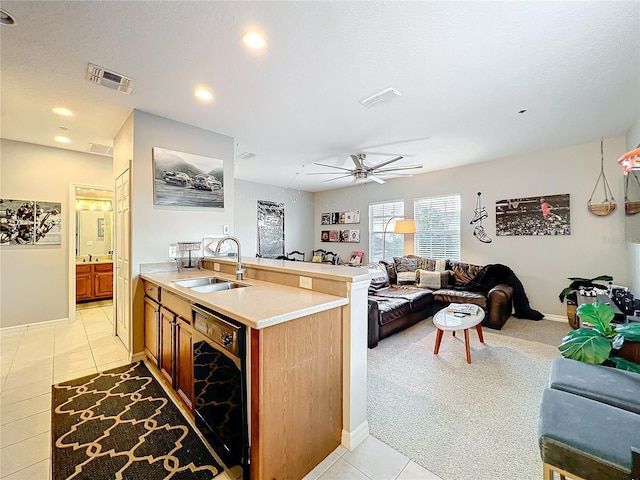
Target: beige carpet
464 422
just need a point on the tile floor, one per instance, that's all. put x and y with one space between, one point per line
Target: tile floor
34 358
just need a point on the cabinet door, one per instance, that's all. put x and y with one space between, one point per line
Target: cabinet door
167 326
184 362
151 329
84 282
103 285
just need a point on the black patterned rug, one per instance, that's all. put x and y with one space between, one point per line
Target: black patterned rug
121 424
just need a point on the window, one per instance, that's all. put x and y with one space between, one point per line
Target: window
437 226
379 215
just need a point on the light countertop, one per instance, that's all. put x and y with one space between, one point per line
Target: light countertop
93 262
259 305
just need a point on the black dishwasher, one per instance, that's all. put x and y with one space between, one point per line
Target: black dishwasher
220 398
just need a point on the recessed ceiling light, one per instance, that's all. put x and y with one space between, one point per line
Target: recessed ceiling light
203 94
254 40
62 139
65 112
6 18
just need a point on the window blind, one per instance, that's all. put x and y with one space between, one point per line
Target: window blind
379 215
437 226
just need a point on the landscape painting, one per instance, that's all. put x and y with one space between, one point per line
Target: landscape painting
544 215
187 180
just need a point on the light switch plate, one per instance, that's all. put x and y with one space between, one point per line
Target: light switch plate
216 267
173 251
306 282
225 229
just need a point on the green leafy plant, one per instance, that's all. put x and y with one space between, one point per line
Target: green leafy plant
577 282
595 344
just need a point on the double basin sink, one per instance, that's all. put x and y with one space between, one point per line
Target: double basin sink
209 284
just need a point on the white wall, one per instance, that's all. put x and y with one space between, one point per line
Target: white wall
34 280
596 245
298 216
633 223
155 227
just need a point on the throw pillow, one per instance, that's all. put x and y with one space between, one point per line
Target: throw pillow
434 280
440 265
405 278
381 281
405 264
423 263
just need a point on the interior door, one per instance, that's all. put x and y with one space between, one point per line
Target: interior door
123 255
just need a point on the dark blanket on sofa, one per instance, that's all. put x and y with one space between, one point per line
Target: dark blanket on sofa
490 276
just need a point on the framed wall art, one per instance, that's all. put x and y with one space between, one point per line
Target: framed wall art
29 222
187 180
543 215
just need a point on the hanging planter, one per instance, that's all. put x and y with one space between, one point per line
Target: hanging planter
630 207
608 206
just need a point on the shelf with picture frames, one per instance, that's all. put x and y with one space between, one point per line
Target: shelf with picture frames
335 231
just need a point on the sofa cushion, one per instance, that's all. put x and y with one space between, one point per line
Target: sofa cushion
391 309
463 273
406 278
433 280
458 296
380 281
608 385
405 264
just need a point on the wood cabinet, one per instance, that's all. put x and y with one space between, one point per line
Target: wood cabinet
168 334
94 281
151 329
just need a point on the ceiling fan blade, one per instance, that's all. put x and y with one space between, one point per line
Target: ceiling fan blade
408 167
337 178
382 154
357 161
393 174
376 179
333 166
399 142
386 162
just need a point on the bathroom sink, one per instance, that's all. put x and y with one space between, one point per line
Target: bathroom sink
208 284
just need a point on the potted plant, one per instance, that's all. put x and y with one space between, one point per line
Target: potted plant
599 342
570 293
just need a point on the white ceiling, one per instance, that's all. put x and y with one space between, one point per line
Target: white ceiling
464 69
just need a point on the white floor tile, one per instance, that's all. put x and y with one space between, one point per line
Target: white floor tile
322 467
67 367
376 459
109 366
24 454
25 392
343 470
20 376
66 358
64 348
104 340
413 471
66 376
24 428
38 471
25 408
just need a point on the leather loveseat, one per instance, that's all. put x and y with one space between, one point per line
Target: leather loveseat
397 304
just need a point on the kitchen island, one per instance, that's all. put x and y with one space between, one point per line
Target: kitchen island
306 356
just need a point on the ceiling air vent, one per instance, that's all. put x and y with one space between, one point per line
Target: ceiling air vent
98 149
246 155
115 81
385 96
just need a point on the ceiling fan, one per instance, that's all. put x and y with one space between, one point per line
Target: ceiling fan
365 172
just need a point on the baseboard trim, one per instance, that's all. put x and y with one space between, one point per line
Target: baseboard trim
136 357
26 326
556 318
352 439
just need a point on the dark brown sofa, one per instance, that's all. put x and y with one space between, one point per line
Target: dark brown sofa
394 307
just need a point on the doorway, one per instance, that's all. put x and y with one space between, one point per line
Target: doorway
90 247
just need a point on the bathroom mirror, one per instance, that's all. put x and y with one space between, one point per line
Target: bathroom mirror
94 222
632 222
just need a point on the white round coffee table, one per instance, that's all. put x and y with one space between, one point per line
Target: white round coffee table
445 320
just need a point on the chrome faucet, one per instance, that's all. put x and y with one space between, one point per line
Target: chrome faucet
239 270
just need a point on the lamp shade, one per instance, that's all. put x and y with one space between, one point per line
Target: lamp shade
405 226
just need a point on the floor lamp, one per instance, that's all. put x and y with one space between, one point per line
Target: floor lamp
402 226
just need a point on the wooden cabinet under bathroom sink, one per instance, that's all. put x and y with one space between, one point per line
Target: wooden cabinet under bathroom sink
94 281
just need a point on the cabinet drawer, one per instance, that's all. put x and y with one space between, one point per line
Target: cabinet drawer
152 290
103 267
177 305
83 269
